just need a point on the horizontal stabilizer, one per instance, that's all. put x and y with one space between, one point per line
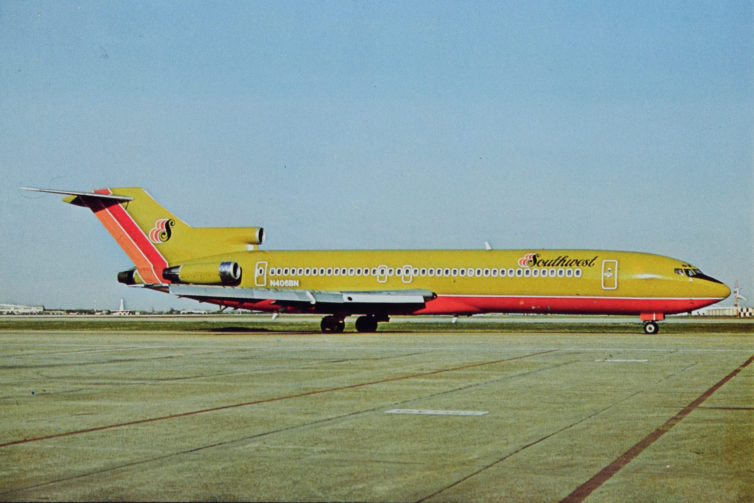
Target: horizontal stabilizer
93 195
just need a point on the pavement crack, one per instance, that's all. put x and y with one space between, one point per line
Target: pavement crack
526 446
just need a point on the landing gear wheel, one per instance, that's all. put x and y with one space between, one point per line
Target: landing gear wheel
650 328
366 324
332 324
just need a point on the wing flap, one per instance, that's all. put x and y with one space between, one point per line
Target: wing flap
312 297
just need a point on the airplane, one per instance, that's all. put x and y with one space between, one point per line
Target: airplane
224 266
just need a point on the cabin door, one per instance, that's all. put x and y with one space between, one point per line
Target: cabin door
609 274
260 274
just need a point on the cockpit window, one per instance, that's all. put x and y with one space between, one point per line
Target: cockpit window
691 272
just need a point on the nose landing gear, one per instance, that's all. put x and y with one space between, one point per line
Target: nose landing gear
650 322
651 327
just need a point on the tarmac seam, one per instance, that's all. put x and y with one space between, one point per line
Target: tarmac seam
280 430
585 489
526 446
267 400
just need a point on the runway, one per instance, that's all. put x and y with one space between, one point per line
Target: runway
454 415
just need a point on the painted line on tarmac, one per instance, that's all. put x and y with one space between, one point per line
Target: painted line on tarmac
425 412
621 361
585 489
10 495
268 400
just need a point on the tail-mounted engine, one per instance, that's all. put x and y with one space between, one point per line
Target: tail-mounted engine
130 277
207 273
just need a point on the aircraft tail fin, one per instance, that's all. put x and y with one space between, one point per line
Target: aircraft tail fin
154 238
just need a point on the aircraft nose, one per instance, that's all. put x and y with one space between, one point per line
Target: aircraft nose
719 290
724 291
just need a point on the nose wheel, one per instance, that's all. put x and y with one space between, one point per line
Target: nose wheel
651 327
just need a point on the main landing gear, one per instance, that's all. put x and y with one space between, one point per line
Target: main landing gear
366 323
332 324
336 324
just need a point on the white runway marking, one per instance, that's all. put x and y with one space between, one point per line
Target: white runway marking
622 361
438 412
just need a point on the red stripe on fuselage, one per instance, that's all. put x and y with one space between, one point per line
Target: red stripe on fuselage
452 304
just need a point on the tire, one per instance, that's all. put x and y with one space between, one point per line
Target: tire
366 324
651 328
328 324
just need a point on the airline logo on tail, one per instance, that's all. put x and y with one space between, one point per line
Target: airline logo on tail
161 231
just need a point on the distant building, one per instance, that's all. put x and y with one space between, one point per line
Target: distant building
17 309
729 311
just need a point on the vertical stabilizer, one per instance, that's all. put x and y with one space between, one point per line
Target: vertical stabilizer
154 238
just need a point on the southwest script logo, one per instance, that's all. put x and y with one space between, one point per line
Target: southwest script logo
534 260
526 260
161 231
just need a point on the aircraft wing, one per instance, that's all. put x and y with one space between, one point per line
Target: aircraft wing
308 298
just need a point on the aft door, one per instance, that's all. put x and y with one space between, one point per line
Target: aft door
609 274
260 274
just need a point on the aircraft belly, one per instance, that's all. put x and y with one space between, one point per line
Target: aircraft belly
470 304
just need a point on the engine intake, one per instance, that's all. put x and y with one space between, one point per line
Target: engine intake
208 273
130 277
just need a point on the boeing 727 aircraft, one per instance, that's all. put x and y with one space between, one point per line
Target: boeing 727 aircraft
224 266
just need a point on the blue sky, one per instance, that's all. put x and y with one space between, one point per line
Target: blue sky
348 124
